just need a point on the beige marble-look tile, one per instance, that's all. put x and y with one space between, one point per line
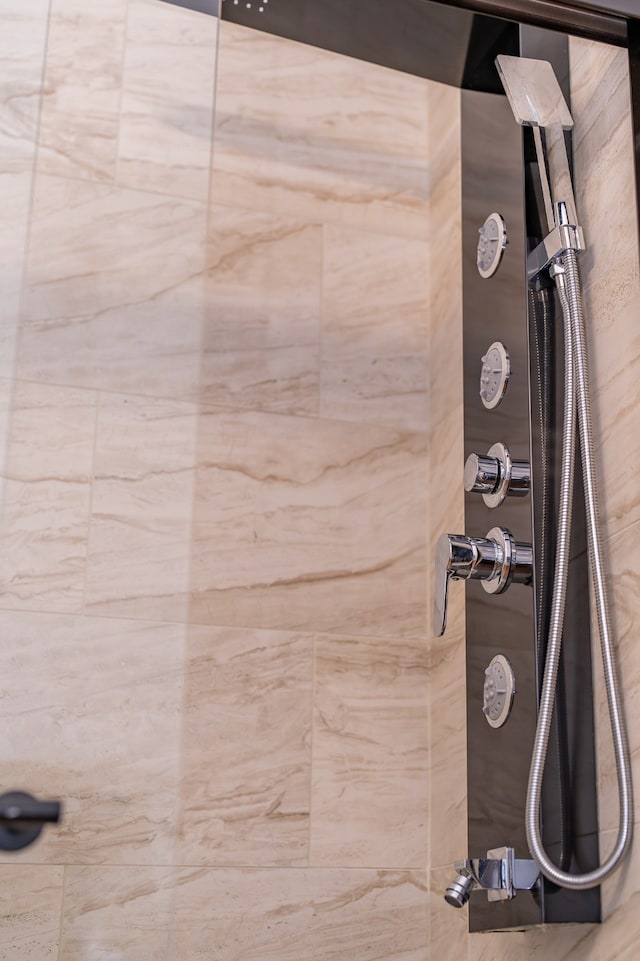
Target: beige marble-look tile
619 933
448 937
82 86
300 915
92 708
246 748
370 801
375 328
605 191
302 523
15 194
622 564
273 521
167 99
448 745
22 47
30 902
140 549
243 915
22 50
261 332
116 913
47 492
114 292
311 133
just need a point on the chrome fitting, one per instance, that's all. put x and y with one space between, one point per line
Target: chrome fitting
500 874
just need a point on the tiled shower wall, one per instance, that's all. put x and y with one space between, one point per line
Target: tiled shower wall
605 195
215 515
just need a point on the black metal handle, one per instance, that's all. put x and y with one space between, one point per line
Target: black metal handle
22 818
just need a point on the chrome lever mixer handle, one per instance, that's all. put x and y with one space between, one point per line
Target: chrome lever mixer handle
496 560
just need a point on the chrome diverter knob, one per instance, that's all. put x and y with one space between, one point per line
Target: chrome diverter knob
496 560
496 475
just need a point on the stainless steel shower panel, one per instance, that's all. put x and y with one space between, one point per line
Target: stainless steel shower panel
495 310
500 309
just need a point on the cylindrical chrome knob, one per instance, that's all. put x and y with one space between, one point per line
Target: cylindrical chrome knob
496 476
482 474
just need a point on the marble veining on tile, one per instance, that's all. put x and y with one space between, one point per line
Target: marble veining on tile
117 913
605 192
139 553
167 99
94 710
301 522
246 744
302 915
447 699
22 50
370 753
82 83
311 133
261 327
47 490
30 902
114 294
622 558
375 329
244 915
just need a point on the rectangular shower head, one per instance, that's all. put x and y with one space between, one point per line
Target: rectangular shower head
533 92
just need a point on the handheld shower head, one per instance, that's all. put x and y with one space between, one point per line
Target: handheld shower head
537 101
533 92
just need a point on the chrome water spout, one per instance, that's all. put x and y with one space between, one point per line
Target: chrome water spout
500 874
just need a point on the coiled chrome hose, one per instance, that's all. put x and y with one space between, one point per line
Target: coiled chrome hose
567 279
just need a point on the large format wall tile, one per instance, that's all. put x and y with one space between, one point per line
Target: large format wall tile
140 550
114 289
117 913
622 559
370 753
605 195
82 83
448 927
243 915
22 49
300 915
47 494
261 330
167 99
304 131
297 523
375 329
302 523
618 936
448 788
92 711
246 747
30 903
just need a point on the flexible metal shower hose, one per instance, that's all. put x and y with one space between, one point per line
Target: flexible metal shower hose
567 279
